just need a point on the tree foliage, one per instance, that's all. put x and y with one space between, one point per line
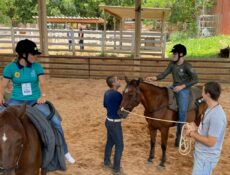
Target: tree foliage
182 11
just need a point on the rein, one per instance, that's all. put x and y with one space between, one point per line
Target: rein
185 145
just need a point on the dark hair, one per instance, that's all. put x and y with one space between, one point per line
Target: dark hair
110 80
214 89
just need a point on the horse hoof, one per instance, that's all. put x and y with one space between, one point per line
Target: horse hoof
160 168
150 161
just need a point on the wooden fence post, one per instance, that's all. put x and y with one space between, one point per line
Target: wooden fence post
13 39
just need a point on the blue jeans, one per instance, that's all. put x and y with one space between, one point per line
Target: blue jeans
203 167
45 110
114 137
182 98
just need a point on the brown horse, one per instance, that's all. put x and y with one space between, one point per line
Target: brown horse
20 145
155 101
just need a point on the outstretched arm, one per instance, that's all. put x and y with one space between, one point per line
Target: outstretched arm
167 71
161 76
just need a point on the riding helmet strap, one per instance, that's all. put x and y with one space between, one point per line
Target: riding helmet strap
178 58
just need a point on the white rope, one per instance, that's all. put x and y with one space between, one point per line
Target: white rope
185 145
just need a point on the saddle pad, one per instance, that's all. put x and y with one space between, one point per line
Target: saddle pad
195 93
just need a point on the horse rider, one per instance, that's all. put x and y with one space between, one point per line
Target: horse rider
184 76
28 80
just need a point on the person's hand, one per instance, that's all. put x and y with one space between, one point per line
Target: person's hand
2 101
179 88
41 100
190 128
150 78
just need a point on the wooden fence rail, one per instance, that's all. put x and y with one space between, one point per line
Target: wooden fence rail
66 41
100 67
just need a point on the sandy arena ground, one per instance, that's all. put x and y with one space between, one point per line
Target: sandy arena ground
80 104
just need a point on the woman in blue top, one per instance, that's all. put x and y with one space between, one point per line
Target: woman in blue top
28 81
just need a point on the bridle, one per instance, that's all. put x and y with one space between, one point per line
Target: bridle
7 170
134 99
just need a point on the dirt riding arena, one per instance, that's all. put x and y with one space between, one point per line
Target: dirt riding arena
80 104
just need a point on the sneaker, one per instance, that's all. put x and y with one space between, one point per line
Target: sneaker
107 165
118 172
69 158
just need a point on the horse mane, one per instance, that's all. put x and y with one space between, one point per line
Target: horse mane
151 87
150 84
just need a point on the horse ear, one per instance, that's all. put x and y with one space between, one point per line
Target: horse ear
140 80
126 79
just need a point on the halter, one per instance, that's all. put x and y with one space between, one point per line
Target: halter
7 170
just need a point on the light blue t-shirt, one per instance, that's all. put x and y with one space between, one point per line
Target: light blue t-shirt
214 124
25 80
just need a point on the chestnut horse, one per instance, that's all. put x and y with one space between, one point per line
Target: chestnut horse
20 145
155 101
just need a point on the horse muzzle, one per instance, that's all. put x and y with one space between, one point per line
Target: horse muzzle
122 113
9 171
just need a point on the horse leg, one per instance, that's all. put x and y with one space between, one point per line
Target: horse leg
164 139
153 133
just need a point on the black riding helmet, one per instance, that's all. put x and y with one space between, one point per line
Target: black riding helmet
24 47
179 48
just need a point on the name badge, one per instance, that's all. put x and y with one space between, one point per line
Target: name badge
26 89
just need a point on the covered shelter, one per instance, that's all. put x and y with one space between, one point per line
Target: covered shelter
73 20
123 13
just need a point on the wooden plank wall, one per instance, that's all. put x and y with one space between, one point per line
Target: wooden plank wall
99 67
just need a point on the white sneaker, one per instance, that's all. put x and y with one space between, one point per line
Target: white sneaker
69 158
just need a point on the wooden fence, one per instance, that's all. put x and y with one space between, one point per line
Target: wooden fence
100 67
66 42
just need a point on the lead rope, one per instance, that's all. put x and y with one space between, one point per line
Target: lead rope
185 145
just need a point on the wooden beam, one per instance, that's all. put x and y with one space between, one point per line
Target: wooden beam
137 28
163 39
43 27
115 15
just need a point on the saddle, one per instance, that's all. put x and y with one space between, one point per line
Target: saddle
53 152
195 93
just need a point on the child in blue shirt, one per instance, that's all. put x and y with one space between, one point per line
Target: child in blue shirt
112 101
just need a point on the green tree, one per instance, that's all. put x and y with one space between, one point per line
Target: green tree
25 10
7 11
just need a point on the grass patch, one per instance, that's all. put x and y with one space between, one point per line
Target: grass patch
201 47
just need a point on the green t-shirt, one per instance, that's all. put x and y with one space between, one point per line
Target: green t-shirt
25 80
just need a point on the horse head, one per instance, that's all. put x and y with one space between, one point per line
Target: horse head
131 96
12 138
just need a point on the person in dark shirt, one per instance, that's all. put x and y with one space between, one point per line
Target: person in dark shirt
81 38
112 101
184 76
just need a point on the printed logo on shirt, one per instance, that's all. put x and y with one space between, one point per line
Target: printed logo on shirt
181 70
33 74
17 74
192 70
